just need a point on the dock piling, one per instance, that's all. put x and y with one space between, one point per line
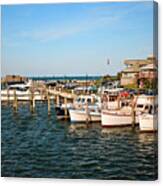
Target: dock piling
65 109
118 99
133 111
133 117
32 102
15 102
87 114
57 100
49 105
8 96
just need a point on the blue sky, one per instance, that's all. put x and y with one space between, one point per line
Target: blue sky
74 39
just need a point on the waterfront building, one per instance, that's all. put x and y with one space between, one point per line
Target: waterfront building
148 72
136 69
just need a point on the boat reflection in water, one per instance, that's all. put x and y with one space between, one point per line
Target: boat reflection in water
147 138
65 150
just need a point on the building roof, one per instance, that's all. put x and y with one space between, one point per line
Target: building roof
150 59
136 62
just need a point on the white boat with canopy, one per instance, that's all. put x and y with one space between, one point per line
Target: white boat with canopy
22 91
126 115
148 121
86 108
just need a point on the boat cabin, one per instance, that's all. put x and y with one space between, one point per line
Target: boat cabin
86 99
144 102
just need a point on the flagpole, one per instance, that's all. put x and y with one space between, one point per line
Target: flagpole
108 61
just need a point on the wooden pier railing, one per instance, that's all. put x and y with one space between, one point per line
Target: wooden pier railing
32 97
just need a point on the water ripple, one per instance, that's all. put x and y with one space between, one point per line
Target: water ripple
37 145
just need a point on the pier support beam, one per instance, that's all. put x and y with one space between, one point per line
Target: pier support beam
134 100
57 100
15 102
65 109
133 117
49 104
42 96
8 96
88 119
118 99
32 102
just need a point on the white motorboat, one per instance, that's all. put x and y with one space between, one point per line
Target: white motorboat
86 108
110 99
82 100
126 115
141 104
113 118
22 92
82 115
78 104
149 121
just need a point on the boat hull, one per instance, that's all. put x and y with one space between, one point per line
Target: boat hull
148 122
114 119
81 116
60 113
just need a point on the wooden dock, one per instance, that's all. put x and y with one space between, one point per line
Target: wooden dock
49 95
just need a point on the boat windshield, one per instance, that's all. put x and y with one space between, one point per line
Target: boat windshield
83 100
151 109
88 100
140 106
78 100
19 88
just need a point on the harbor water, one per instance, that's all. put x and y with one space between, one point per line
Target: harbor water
37 145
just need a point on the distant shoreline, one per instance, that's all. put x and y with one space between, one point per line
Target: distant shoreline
47 78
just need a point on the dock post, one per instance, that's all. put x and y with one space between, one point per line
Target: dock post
133 111
65 109
133 117
8 96
41 95
87 114
32 102
55 97
49 106
15 102
57 100
118 99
